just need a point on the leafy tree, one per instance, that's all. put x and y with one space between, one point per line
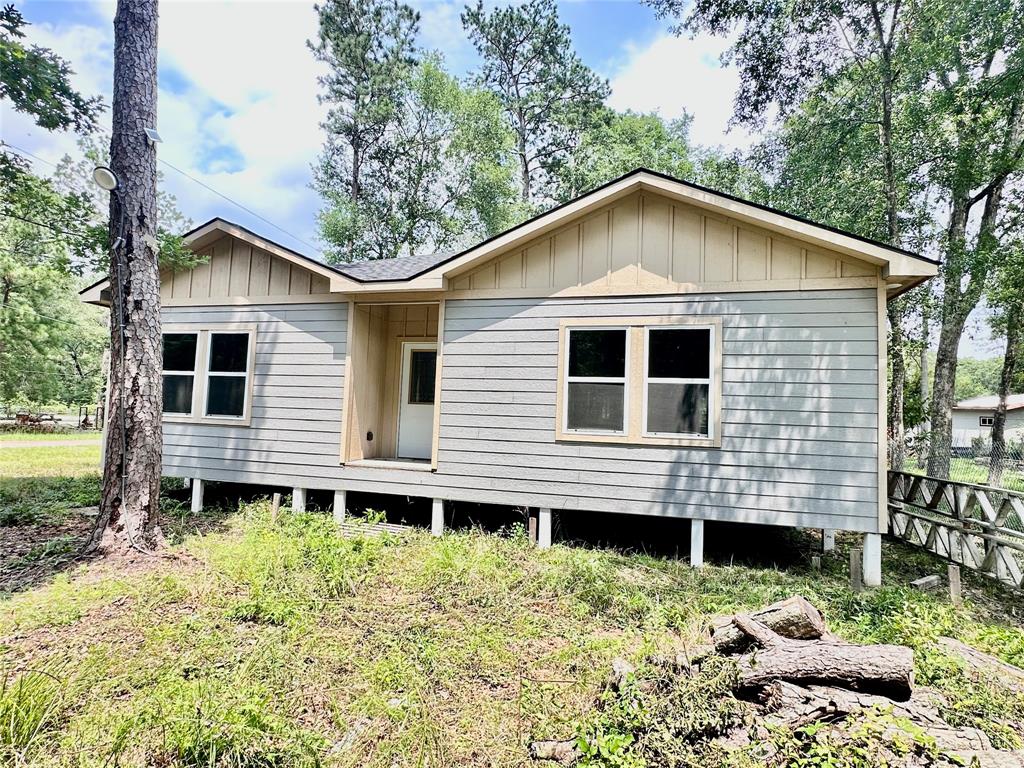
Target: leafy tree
735 173
370 50
49 347
549 95
37 81
970 98
73 178
619 144
441 177
913 102
975 377
1006 298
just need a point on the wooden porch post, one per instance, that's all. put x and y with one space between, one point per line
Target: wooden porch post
197 494
437 517
696 543
339 506
544 528
873 559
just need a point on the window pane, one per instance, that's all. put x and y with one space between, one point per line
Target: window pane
229 352
677 409
225 395
178 394
422 371
597 353
179 352
679 353
595 406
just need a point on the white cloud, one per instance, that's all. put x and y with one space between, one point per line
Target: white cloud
676 74
237 106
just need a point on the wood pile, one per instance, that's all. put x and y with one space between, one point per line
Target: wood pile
794 673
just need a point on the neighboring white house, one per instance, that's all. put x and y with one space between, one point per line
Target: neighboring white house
973 418
651 348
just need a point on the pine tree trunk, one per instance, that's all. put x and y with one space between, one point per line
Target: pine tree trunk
998 457
131 467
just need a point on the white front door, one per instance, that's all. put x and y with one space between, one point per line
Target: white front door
416 406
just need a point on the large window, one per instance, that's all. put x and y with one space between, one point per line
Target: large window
179 371
596 380
640 380
677 381
208 373
227 374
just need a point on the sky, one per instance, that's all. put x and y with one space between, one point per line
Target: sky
238 109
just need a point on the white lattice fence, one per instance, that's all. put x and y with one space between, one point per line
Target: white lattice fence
974 525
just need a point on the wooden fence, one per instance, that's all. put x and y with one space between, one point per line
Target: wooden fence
977 526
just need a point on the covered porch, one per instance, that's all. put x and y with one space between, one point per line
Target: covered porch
392 385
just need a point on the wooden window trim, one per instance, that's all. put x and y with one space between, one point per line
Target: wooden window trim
636 352
646 380
202 372
564 379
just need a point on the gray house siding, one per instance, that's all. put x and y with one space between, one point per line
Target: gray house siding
799 415
296 398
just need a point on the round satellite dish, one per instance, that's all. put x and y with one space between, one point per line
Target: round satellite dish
894 285
105 178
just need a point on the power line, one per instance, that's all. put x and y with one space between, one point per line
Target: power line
29 154
250 211
52 228
204 185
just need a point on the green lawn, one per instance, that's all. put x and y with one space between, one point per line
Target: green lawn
965 470
6 437
254 644
40 461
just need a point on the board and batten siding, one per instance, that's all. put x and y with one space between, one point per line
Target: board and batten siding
799 412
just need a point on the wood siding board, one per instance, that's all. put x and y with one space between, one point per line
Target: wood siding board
799 417
656 242
686 245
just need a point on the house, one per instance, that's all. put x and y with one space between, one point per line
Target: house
972 418
650 348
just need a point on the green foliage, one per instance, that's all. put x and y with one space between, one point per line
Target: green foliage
550 97
293 565
662 717
31 703
874 739
36 500
38 82
620 143
977 377
440 180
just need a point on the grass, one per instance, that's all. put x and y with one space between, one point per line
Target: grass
966 470
43 461
45 500
7 437
284 644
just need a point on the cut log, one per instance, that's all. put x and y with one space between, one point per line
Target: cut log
796 706
985 664
887 670
564 752
794 618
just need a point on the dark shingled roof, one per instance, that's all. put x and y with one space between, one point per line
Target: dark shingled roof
402 268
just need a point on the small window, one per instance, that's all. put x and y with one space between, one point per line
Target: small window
595 394
227 374
986 421
422 376
179 371
677 383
